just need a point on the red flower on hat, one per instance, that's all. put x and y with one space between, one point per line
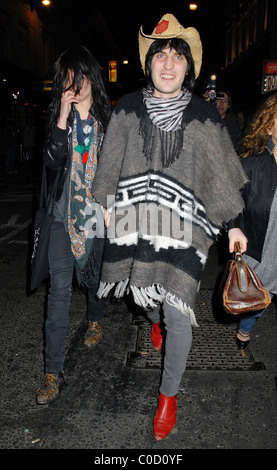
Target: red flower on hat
162 27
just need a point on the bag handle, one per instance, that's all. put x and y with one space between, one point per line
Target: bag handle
238 253
241 269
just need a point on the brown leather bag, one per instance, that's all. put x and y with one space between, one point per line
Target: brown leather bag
242 289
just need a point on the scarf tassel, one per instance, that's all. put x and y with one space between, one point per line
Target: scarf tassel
171 142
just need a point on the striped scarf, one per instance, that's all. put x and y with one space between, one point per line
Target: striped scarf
166 113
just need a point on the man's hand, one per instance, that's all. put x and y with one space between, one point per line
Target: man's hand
106 215
237 236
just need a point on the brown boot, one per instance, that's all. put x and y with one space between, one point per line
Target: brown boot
50 387
94 333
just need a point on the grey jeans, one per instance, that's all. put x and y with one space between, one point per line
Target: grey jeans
177 346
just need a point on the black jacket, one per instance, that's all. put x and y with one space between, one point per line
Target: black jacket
57 158
258 194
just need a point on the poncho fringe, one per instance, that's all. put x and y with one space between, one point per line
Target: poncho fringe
145 297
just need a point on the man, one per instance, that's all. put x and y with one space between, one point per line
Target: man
164 159
224 107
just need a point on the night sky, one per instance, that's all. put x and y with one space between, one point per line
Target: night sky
111 29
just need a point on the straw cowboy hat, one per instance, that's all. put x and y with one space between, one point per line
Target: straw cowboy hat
167 28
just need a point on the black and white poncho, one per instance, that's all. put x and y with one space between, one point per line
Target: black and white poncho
165 217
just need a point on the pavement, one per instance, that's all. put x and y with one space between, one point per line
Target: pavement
226 401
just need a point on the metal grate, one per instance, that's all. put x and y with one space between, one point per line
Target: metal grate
213 344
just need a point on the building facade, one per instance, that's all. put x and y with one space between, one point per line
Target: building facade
26 52
251 39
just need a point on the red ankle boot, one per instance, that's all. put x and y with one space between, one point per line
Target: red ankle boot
165 418
156 336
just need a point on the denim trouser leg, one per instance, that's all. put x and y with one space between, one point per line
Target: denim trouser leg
177 348
246 323
95 305
61 262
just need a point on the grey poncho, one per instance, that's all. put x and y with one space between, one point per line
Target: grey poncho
164 217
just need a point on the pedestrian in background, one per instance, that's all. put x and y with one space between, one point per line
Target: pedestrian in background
224 106
165 148
256 228
242 120
79 114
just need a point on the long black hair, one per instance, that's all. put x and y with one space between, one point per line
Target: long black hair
83 64
181 47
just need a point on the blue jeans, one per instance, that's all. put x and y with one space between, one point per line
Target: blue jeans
61 261
246 323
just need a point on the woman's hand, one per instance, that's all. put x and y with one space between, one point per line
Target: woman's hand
237 236
68 97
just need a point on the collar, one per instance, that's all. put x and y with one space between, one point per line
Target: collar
270 146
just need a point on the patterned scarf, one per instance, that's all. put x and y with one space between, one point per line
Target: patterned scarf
83 211
166 113
83 137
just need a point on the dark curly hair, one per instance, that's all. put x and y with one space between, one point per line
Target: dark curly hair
257 136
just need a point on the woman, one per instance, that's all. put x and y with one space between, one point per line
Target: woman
171 165
256 228
79 115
